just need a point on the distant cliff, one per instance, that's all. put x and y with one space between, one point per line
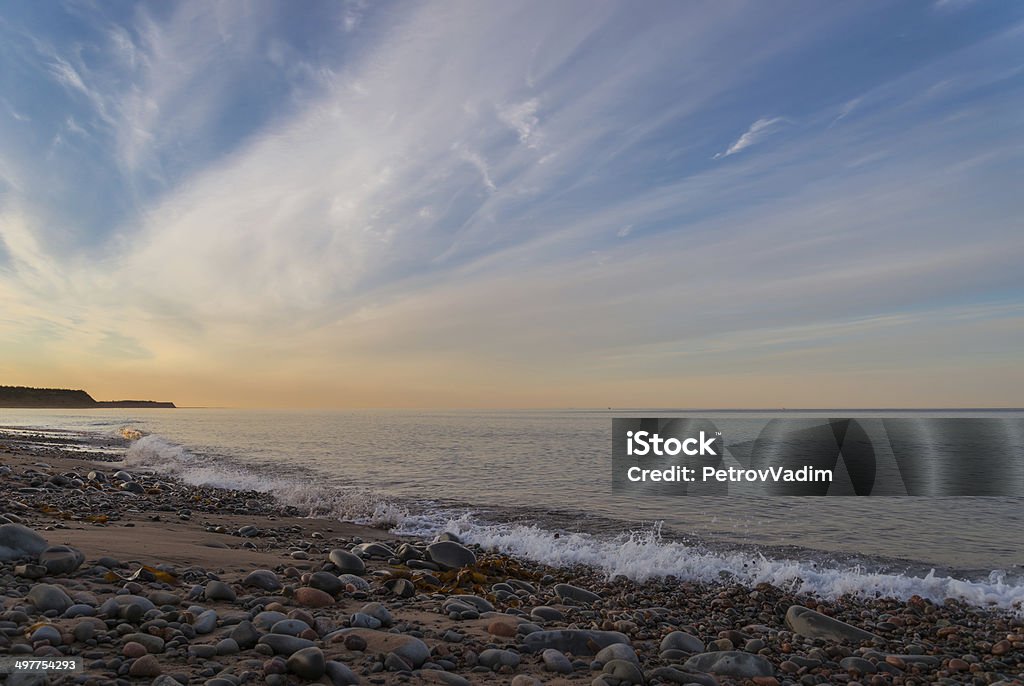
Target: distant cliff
60 398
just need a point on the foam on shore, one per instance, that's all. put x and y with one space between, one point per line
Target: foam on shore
639 555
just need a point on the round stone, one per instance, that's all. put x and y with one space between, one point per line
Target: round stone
340 674
680 640
495 658
327 582
61 559
18 541
205 622
145 666
133 649
153 644
290 627
227 646
555 661
506 628
625 671
451 555
308 663
84 630
245 634
409 648
262 578
580 595
358 583
48 633
218 590
811 624
547 614
346 562
313 597
362 620
402 588
47 597
79 610
394 663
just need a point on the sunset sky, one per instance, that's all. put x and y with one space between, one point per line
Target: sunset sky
514 204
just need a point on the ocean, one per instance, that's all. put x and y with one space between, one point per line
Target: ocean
537 484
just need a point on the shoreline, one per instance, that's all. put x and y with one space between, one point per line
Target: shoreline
460 617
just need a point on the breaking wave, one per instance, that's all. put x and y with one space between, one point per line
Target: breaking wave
157 455
639 555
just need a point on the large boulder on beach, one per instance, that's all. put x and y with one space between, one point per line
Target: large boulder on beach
811 624
346 562
262 578
680 640
47 597
61 559
313 597
327 582
308 663
734 663
575 641
411 649
450 555
18 542
580 595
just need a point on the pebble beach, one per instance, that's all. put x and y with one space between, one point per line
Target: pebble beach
152 581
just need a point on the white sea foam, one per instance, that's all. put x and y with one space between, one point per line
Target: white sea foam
640 555
643 555
153 453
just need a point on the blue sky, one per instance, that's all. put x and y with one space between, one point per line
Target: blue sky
514 204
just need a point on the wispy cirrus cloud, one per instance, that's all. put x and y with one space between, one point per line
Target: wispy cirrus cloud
758 131
451 205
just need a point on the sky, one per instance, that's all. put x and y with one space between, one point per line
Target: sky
514 204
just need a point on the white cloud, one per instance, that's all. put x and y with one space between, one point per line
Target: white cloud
67 76
522 118
480 164
848 107
757 132
15 114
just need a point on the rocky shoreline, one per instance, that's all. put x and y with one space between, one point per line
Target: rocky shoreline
152 581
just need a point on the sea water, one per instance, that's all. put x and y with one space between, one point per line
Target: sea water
537 484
